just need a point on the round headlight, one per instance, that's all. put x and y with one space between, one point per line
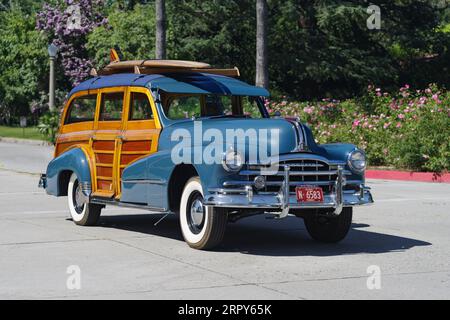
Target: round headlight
357 161
232 161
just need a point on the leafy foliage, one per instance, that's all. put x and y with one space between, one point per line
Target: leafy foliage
409 129
316 49
49 124
23 64
323 48
67 27
132 31
221 33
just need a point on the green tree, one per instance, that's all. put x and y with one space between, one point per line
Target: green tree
325 48
23 64
27 6
220 32
132 30
316 48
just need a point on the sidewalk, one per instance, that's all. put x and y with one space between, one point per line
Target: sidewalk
25 156
25 141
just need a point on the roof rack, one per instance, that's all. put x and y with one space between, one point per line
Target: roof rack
150 66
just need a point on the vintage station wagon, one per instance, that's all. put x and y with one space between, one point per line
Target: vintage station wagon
120 128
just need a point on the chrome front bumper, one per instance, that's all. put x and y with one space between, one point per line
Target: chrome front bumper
283 200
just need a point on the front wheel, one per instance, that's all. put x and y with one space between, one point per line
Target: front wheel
329 228
202 228
83 214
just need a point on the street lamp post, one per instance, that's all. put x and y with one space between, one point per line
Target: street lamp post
52 52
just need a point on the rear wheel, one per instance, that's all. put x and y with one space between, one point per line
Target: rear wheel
82 213
202 228
329 228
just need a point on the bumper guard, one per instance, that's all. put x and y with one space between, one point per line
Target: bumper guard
283 201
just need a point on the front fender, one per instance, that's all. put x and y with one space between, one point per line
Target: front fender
73 160
158 169
337 151
341 152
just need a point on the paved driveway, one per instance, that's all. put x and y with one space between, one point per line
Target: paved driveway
405 236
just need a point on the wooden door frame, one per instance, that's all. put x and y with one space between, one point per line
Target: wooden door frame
138 125
116 130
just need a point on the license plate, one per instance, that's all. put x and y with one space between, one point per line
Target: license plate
309 194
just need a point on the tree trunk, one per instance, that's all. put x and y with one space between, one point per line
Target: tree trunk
160 49
262 57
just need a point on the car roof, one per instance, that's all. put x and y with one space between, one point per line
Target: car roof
193 82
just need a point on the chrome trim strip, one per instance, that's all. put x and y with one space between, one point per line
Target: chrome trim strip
293 173
127 205
292 165
227 190
145 181
305 140
300 143
235 183
298 157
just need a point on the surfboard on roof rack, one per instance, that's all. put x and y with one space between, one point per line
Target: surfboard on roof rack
150 66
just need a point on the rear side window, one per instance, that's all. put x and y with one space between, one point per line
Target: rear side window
140 107
82 109
111 106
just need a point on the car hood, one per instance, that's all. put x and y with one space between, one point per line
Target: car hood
278 136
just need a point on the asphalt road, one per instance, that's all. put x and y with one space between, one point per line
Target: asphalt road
404 238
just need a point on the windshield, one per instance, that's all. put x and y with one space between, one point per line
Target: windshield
186 106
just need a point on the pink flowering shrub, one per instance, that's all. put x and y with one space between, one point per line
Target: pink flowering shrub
409 129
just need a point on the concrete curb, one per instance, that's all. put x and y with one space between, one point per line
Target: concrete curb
408 176
26 141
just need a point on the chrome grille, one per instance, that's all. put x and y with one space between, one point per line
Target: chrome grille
302 172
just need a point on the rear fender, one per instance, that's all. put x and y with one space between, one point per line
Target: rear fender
75 160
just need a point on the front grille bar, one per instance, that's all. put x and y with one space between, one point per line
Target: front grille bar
292 183
293 173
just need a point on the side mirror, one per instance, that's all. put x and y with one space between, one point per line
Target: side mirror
277 114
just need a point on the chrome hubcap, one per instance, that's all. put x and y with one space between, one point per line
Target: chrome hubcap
197 212
78 198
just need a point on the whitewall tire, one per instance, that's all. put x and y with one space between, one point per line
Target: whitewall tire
83 214
203 228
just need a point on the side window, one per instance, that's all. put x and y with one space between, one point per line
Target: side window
81 109
140 108
111 106
184 107
250 107
216 105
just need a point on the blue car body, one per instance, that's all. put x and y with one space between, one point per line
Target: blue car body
147 181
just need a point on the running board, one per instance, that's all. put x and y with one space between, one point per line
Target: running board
106 201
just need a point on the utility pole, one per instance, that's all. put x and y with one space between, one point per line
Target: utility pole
52 52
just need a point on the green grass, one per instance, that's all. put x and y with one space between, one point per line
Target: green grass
17 132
